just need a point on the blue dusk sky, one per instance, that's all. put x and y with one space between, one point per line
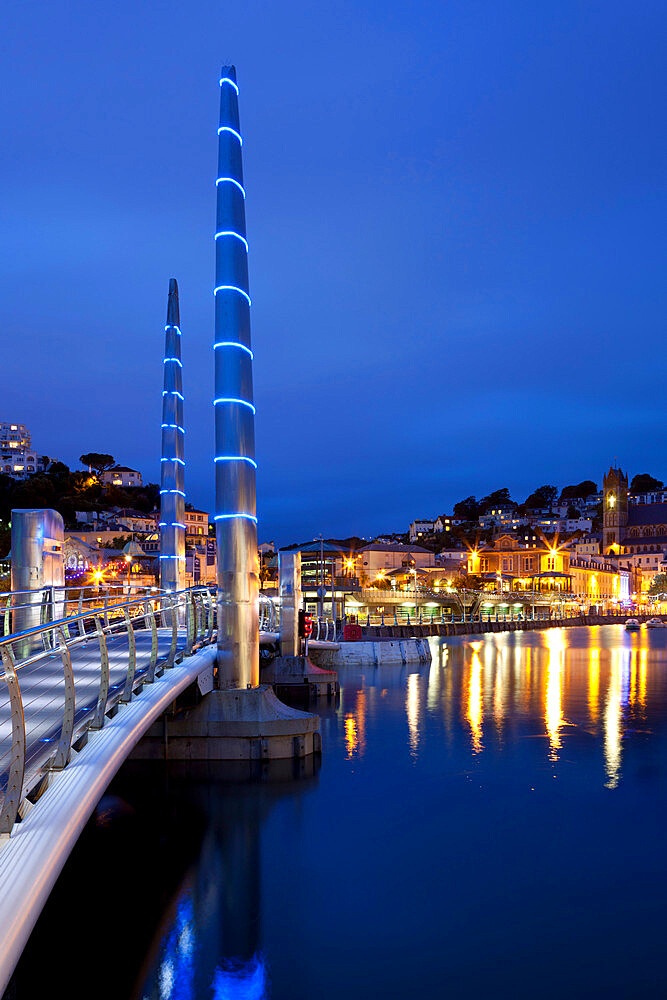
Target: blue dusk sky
456 218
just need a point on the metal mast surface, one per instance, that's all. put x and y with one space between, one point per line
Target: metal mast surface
172 463
235 518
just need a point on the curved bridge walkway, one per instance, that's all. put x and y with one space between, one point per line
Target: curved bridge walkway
70 714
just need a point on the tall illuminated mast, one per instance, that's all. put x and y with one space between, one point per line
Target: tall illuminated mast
172 480
236 521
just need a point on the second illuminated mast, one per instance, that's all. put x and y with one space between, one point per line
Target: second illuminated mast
172 479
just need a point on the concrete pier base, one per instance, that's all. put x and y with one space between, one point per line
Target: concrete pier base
386 651
297 672
236 724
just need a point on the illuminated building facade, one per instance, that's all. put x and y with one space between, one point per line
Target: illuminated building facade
634 533
508 566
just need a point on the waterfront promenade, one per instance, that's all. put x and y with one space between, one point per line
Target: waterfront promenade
483 625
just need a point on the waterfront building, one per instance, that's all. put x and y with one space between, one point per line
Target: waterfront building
196 524
506 565
380 557
122 475
586 545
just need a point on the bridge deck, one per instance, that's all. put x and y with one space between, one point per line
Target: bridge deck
39 846
43 693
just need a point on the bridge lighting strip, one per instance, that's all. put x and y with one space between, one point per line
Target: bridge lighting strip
226 517
225 79
242 402
178 362
173 557
180 492
235 458
232 343
171 326
230 180
172 392
232 288
228 128
176 427
230 232
174 524
179 460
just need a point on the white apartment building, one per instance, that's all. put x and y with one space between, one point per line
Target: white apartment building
17 459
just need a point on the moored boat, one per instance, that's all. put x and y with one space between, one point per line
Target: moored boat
632 625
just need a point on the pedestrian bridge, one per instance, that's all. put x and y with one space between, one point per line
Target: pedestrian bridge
77 695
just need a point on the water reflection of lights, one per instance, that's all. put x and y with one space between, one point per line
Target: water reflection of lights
594 684
553 714
175 975
475 710
412 711
612 722
642 677
351 738
355 728
241 980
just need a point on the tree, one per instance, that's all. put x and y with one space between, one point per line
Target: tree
499 498
467 510
572 512
643 483
543 496
658 585
579 491
97 462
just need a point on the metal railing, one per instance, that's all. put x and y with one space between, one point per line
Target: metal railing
446 616
324 630
52 603
60 680
269 617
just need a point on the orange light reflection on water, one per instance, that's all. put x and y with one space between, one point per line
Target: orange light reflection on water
553 715
594 684
355 728
475 708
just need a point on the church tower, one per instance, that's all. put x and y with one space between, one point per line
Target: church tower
614 509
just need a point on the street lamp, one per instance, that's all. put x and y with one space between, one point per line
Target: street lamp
128 560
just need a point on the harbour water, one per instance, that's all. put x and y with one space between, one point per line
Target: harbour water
491 824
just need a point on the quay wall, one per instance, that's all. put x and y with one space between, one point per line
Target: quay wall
380 651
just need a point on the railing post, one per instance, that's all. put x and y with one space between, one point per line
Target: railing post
149 613
80 625
173 604
98 718
14 790
209 616
131 660
190 615
63 750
